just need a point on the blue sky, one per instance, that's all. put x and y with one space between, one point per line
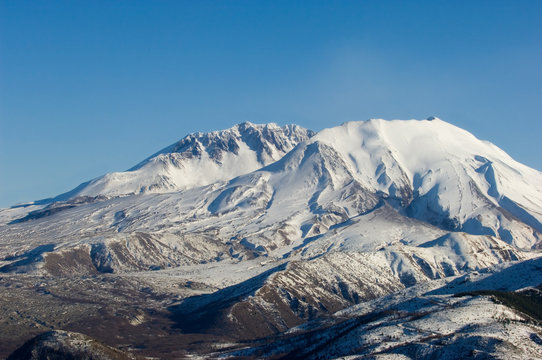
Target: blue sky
89 87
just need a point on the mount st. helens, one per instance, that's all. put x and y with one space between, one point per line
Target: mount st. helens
259 229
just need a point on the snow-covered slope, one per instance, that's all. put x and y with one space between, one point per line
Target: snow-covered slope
199 159
441 319
429 170
314 199
449 172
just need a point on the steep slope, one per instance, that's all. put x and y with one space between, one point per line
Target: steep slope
308 288
454 180
199 159
430 170
441 319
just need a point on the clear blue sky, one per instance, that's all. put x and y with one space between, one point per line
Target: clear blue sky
89 87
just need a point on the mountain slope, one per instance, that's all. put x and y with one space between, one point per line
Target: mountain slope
199 159
67 345
431 320
426 170
456 180
430 170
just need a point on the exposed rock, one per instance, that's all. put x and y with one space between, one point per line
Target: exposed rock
66 345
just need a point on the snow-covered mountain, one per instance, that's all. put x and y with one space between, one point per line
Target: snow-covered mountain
199 159
279 223
429 170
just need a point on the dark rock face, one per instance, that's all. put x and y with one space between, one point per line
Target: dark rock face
65 345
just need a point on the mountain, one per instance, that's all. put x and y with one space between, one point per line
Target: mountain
268 232
199 159
427 170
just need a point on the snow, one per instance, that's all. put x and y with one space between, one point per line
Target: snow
323 195
199 159
434 155
422 321
401 213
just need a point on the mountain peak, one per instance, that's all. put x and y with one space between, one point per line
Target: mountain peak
199 159
432 170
